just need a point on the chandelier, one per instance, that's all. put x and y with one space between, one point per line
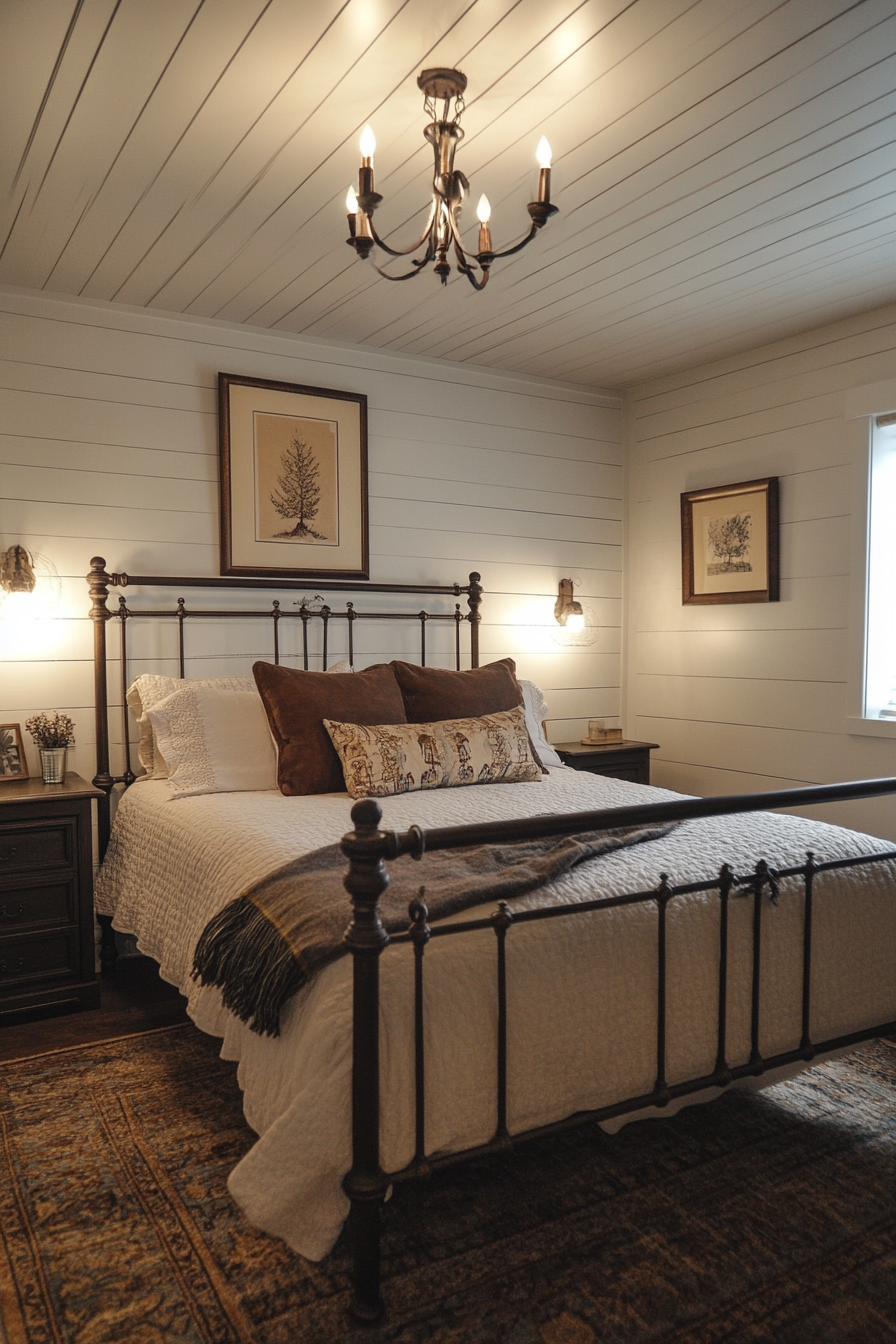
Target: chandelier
449 189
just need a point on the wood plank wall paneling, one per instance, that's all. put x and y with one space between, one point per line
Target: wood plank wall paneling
109 447
755 697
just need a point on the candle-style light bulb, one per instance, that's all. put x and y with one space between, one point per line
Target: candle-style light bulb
543 155
368 143
351 201
484 214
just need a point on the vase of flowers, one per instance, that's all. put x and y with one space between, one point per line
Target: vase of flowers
53 734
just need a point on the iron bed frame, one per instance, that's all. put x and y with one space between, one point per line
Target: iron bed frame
367 848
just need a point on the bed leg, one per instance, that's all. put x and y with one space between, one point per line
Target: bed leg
108 949
366 1185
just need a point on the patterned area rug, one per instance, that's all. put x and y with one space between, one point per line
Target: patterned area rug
759 1217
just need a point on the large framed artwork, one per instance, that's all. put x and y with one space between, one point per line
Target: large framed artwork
293 480
729 543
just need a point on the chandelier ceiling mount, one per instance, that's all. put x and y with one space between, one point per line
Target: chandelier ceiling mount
449 189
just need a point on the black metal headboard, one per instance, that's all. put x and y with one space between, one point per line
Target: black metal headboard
100 581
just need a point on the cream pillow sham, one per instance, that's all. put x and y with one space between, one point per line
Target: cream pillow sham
214 740
148 690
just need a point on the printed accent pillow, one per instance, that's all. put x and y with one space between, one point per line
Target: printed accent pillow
381 760
214 740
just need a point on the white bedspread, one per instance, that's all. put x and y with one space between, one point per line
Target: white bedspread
581 990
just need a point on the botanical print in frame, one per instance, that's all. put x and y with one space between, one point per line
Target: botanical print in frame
12 752
293 480
729 543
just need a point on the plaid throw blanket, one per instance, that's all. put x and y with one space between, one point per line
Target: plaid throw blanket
264 945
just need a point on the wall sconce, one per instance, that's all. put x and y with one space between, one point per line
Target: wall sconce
30 591
16 571
567 611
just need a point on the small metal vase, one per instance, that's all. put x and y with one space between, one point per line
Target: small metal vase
52 764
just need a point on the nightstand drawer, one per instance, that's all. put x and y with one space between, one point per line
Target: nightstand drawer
637 773
37 845
29 907
36 959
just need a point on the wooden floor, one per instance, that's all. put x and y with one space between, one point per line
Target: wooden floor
136 1000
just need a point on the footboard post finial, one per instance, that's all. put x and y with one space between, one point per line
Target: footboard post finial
365 848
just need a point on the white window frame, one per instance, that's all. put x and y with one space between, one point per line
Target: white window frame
873 644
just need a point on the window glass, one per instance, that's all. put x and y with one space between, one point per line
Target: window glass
880 661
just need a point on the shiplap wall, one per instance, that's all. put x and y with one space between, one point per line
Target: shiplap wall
751 697
108 446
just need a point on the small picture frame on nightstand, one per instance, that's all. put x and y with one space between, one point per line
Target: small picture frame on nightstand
13 764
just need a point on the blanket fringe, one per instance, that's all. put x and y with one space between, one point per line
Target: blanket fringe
237 938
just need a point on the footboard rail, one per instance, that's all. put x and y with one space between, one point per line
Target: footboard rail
368 847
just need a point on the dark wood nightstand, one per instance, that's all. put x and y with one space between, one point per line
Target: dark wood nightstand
46 896
619 760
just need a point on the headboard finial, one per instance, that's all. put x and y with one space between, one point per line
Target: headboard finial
474 602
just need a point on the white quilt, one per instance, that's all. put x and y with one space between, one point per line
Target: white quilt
581 990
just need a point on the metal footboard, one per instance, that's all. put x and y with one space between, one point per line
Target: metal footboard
368 847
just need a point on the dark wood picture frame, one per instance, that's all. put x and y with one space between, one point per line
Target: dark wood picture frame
750 573
250 546
12 754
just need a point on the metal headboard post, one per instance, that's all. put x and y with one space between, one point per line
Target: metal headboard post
98 581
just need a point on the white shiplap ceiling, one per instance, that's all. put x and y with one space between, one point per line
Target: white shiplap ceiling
725 169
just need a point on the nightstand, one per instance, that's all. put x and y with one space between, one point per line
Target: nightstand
619 760
46 896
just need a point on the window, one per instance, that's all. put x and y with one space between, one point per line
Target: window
880 646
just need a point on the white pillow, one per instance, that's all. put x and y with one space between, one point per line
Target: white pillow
214 741
148 691
536 711
151 689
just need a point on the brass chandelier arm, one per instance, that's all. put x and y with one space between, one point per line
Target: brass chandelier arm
493 256
408 275
517 247
466 269
406 251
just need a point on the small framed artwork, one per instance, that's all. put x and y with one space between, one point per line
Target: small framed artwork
12 752
293 480
729 543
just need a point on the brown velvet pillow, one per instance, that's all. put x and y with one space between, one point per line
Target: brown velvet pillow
431 693
297 703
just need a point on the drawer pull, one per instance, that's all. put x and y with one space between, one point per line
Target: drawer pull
5 914
6 969
6 853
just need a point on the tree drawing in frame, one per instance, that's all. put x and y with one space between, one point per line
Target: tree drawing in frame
298 491
293 480
296 480
728 544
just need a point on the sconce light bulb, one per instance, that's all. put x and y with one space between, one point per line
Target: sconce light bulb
483 210
351 201
368 143
575 620
543 153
